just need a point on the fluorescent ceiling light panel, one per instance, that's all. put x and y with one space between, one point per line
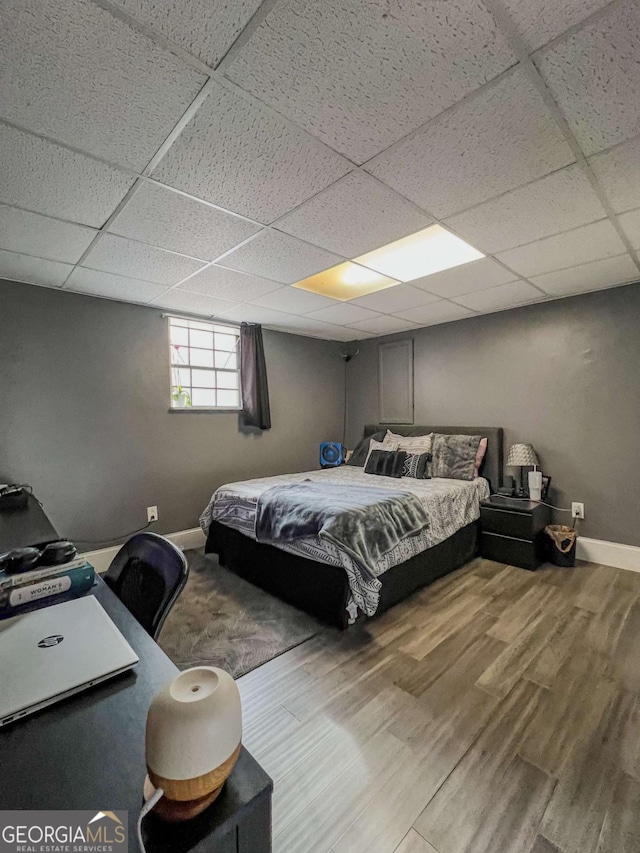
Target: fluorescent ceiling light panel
346 281
423 253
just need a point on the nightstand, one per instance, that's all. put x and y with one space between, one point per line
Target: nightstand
513 531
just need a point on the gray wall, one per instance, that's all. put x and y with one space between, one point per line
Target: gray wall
563 376
84 386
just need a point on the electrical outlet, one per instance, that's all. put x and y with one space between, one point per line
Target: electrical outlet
577 510
152 513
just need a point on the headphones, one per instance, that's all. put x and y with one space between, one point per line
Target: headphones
25 559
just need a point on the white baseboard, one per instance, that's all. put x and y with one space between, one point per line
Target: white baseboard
101 559
609 553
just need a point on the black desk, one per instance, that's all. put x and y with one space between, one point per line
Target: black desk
88 753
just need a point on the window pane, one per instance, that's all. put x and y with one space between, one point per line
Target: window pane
228 399
226 359
226 342
202 357
181 376
204 378
202 339
179 335
203 397
206 327
179 354
227 380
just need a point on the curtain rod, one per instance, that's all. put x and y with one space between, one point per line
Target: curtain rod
200 320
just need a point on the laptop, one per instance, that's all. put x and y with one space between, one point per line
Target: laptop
54 652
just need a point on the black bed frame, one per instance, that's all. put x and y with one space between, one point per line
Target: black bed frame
322 589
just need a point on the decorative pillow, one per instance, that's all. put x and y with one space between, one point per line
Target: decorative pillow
385 463
482 449
411 443
361 450
417 465
379 445
454 456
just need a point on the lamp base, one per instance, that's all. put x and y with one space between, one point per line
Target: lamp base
174 811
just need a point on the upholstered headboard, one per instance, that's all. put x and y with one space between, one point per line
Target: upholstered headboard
493 461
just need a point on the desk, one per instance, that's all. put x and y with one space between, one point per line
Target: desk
87 752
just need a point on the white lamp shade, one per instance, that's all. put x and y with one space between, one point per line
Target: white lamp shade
194 724
521 455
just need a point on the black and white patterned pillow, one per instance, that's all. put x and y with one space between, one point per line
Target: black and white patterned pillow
416 465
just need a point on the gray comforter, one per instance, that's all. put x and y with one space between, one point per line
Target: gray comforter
363 522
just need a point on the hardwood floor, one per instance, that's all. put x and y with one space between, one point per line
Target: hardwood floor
496 711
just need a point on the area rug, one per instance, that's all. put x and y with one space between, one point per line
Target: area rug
222 620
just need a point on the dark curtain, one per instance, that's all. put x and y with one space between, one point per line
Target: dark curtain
253 378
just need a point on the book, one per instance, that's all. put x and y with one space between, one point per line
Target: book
52 590
41 573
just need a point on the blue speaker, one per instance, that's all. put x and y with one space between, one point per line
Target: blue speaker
331 454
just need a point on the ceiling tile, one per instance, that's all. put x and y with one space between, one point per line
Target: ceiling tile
137 260
42 236
499 139
618 171
556 203
243 157
173 221
18 267
343 314
594 75
294 301
383 325
476 275
587 243
502 296
50 179
75 72
257 314
539 21
202 28
280 257
593 276
394 299
114 286
229 284
353 216
194 303
307 326
360 74
630 223
438 312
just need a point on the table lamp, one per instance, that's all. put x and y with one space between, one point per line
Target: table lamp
522 456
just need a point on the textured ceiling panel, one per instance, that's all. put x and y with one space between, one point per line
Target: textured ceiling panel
593 276
394 299
258 314
383 325
630 223
343 314
113 286
594 75
553 204
33 234
173 221
137 260
477 275
307 326
229 284
539 21
499 139
439 312
33 270
50 179
502 296
619 174
353 216
72 71
280 257
588 243
244 158
360 74
294 301
193 303
202 28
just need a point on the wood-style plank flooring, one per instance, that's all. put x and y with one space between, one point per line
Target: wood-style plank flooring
496 711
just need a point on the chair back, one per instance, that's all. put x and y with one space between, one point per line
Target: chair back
148 574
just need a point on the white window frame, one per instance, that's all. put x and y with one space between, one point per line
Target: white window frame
181 362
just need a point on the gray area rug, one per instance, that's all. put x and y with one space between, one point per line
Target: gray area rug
222 620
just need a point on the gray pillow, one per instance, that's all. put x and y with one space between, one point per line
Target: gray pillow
454 456
360 451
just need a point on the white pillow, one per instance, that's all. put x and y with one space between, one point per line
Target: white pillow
380 445
409 443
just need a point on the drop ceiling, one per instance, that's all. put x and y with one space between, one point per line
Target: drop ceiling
204 157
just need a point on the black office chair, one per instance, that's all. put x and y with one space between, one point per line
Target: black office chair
148 574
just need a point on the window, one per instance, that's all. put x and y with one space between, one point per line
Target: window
205 369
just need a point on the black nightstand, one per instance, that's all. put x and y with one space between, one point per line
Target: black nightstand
513 531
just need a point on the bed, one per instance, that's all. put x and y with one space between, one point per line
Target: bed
323 581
